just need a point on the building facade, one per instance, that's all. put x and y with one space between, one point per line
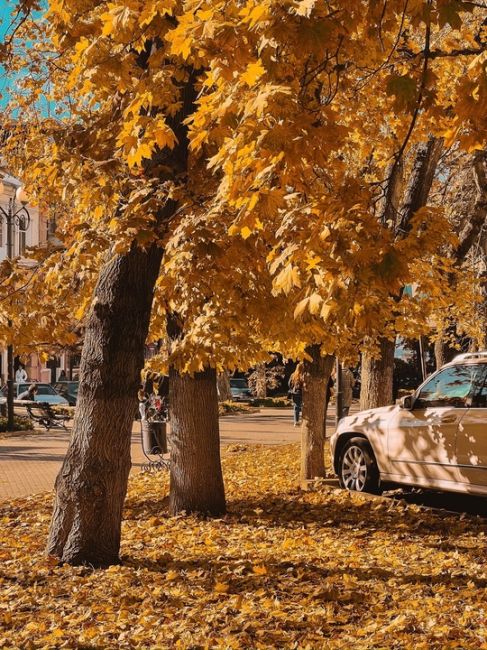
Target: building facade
39 233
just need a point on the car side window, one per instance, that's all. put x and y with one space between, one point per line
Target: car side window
480 398
450 387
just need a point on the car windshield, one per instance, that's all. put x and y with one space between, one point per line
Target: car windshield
42 389
238 383
450 387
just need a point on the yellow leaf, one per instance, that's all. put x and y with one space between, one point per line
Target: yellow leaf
253 72
305 7
300 307
164 136
314 303
134 158
245 232
259 569
221 587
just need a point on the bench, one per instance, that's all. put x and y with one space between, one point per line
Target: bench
44 414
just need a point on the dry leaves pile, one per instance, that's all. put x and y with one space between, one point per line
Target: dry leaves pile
284 569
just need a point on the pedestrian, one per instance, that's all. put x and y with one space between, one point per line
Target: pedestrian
329 387
20 375
62 376
143 398
29 394
348 381
296 384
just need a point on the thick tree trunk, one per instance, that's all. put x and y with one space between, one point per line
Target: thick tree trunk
223 384
91 485
261 381
316 376
196 476
376 377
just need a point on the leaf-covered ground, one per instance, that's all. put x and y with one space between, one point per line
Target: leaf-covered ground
284 569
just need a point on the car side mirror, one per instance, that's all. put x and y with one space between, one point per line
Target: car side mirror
407 402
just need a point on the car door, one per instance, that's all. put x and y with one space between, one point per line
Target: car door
472 436
422 441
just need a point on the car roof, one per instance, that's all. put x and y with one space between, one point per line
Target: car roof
468 357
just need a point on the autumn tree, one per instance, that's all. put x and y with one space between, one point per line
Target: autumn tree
257 120
464 193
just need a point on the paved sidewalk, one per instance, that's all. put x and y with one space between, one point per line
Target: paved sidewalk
29 464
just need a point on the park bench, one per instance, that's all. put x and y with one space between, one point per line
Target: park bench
44 414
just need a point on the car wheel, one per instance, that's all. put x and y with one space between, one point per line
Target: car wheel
358 471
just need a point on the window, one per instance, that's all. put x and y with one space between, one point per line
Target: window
480 398
238 383
450 387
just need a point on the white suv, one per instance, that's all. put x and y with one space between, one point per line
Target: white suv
435 438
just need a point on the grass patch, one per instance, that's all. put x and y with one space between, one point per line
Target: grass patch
232 408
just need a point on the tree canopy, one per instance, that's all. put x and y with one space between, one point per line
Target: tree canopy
299 114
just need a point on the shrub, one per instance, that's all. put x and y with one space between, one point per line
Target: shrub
272 402
20 423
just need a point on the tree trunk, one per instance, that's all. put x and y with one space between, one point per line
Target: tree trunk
376 377
261 381
91 485
316 376
427 156
443 353
377 374
224 390
196 483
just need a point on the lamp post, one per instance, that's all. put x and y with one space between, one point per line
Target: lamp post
19 217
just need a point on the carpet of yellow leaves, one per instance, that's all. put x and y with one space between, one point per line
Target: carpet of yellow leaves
284 569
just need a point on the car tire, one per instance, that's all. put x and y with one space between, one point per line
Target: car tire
357 467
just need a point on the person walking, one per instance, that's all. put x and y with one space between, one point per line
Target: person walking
348 381
296 383
20 375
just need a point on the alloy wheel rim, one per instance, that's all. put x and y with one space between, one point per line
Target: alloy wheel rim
354 469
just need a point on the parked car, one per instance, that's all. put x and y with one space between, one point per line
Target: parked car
435 438
69 390
240 389
45 393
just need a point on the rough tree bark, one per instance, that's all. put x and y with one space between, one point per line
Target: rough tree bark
91 485
223 384
261 381
316 376
468 209
376 376
443 353
196 483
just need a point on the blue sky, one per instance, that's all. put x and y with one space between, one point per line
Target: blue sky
5 9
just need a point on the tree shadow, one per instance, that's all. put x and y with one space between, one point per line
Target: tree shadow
293 511
242 577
